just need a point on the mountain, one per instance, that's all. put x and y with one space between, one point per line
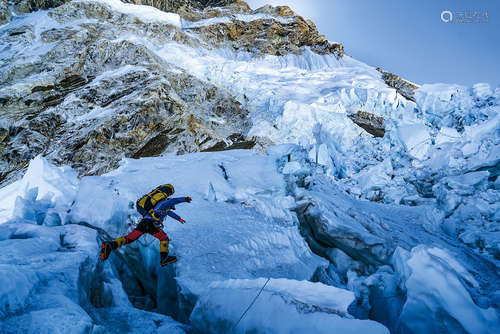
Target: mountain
337 194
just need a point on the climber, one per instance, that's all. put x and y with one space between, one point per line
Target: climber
153 207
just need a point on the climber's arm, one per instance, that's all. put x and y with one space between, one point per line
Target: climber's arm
175 216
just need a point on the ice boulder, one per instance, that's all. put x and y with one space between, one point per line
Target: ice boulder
440 100
291 167
366 231
375 177
437 298
42 184
282 306
320 155
447 135
52 281
416 139
482 90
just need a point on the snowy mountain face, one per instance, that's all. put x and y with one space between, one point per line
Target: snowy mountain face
342 196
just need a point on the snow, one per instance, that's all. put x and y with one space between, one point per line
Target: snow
205 22
450 129
375 177
142 12
56 187
416 139
482 90
437 300
284 306
447 135
262 16
51 282
255 233
245 231
291 167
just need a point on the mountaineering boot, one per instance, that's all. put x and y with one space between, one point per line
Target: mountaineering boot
108 246
166 259
106 249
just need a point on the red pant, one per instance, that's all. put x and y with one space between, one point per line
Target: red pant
146 226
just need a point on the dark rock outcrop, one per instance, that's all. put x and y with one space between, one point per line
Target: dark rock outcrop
403 87
90 101
181 5
28 6
5 14
372 124
90 98
267 30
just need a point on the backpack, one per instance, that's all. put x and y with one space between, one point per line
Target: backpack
147 202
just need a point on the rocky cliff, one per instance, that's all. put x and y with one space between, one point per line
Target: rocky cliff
87 97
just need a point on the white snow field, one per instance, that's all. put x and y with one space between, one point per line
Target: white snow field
241 228
316 308
358 234
238 227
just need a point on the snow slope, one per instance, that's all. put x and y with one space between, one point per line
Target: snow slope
241 228
450 131
316 308
238 226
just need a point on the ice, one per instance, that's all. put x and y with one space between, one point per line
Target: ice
440 100
482 90
51 282
262 16
416 139
469 183
245 230
42 185
97 201
15 287
291 167
47 321
143 12
284 306
233 238
367 232
447 135
205 22
437 300
375 177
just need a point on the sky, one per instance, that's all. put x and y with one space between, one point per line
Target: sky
409 37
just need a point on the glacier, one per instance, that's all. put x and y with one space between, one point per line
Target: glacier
398 233
252 217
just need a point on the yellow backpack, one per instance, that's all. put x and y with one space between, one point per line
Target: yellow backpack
148 201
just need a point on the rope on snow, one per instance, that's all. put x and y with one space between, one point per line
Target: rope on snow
251 304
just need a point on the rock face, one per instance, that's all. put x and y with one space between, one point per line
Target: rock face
28 6
267 30
86 97
405 88
5 13
372 124
181 5
90 101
